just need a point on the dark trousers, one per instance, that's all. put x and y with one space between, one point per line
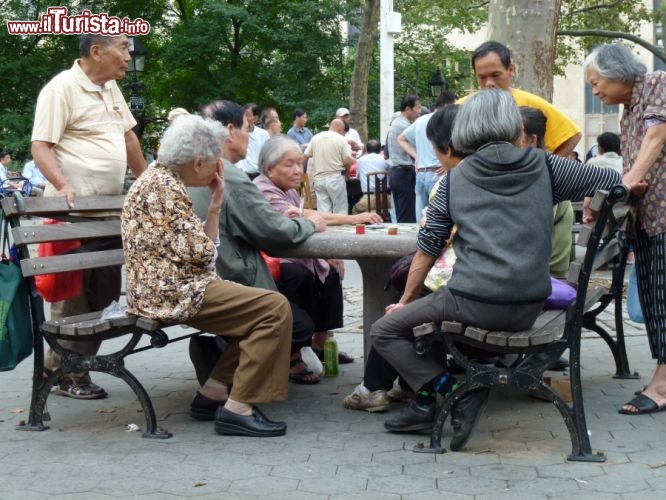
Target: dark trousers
392 335
321 301
403 185
651 274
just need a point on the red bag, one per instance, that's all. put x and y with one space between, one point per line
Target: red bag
60 286
273 264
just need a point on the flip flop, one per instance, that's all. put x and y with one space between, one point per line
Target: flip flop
305 376
343 357
644 405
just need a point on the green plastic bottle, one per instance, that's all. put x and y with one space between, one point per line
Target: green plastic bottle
330 357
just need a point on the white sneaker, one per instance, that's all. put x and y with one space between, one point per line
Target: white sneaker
398 394
363 399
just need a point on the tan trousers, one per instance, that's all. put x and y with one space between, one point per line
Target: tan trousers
100 287
362 205
257 326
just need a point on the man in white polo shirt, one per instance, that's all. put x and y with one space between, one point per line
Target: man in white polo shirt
82 140
331 159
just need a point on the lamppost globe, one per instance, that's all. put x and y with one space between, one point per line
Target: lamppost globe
138 54
437 83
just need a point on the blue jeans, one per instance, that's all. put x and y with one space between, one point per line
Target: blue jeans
425 181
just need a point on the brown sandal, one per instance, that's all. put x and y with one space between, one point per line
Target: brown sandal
81 391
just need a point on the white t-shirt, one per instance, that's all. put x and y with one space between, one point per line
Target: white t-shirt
256 140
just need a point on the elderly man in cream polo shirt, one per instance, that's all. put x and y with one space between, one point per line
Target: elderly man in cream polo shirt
82 140
331 158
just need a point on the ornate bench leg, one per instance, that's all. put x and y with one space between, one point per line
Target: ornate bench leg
435 435
575 416
41 388
152 429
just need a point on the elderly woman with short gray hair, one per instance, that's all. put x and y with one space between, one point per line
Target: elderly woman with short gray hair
498 196
618 77
312 284
170 260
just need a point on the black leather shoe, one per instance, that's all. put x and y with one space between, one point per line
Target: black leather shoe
559 365
233 424
260 415
413 418
203 408
464 416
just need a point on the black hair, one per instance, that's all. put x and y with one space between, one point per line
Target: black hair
440 128
298 112
444 98
534 123
373 146
225 112
491 46
409 101
86 41
254 107
609 142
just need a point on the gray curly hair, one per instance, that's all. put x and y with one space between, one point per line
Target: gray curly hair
190 137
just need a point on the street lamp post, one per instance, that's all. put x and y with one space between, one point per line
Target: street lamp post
437 84
136 104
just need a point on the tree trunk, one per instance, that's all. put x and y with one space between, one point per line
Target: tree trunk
528 28
358 99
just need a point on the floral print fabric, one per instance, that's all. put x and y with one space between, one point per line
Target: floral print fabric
168 257
648 104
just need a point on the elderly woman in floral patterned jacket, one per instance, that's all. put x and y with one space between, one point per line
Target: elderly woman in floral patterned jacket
170 260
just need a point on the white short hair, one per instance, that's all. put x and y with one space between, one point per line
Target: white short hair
190 137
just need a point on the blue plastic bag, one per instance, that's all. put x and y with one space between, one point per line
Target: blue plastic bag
633 302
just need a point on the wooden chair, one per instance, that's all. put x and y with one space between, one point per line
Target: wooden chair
305 192
380 192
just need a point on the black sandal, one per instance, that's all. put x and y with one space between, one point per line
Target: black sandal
305 376
343 357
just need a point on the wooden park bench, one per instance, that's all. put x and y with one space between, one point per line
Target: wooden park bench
554 331
87 327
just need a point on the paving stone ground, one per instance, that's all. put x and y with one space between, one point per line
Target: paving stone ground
517 451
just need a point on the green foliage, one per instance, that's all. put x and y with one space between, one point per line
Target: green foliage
611 15
423 45
284 53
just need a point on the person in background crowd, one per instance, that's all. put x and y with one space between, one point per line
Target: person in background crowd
331 159
402 174
35 177
372 161
351 134
416 144
299 132
609 150
257 137
266 114
273 127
